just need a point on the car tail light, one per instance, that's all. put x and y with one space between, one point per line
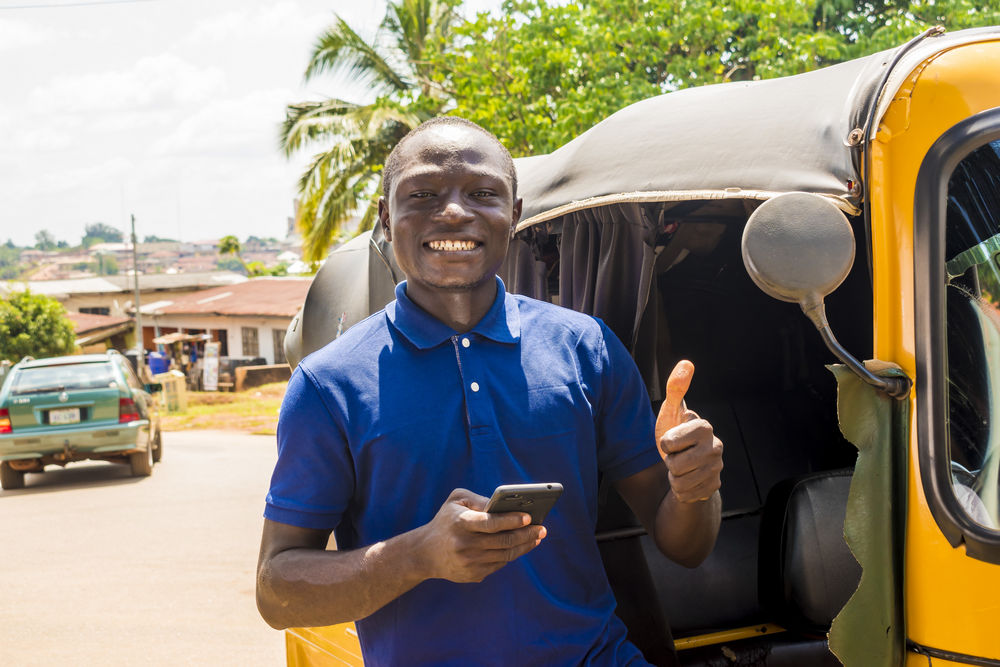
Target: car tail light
127 412
5 421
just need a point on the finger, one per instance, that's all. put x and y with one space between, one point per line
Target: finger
705 455
673 404
510 553
511 539
495 523
467 498
687 435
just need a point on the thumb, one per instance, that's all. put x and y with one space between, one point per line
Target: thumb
672 409
467 498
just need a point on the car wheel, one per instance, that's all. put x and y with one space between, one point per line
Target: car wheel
142 462
158 446
9 478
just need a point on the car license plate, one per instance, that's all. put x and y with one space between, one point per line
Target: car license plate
64 416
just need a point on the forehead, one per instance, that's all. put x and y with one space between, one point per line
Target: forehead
453 150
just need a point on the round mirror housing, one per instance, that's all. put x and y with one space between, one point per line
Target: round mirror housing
798 247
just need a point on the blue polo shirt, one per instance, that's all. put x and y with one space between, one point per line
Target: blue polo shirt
378 427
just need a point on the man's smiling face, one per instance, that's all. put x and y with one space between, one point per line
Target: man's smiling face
450 211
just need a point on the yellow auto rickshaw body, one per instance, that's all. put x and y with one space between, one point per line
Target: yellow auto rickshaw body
944 588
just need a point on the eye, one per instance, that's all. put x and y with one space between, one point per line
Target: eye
483 194
422 194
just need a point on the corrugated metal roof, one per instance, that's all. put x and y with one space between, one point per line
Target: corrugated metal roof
180 280
72 286
84 322
276 297
125 283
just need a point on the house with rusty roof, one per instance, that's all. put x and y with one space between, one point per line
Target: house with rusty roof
248 319
113 295
96 333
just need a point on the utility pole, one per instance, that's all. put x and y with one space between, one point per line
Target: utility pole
139 362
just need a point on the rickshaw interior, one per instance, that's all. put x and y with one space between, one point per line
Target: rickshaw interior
760 379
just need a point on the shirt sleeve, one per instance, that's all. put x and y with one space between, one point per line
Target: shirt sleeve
625 417
313 479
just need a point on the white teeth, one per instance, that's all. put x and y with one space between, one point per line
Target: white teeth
452 245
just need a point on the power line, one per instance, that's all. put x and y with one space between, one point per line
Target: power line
84 3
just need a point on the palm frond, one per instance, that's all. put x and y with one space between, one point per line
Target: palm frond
307 122
341 49
324 210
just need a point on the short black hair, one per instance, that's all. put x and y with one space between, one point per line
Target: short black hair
392 162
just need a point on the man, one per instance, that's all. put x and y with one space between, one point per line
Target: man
394 434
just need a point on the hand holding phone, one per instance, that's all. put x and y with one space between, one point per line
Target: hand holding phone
533 499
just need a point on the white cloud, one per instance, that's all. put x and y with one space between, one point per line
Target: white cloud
40 139
20 34
261 23
159 81
238 126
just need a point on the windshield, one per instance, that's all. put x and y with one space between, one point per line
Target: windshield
972 254
42 379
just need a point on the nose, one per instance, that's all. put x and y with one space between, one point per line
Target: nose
454 210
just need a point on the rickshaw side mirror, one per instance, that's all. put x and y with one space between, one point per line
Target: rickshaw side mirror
799 247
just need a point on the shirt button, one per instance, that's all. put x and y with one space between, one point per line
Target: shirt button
474 386
465 342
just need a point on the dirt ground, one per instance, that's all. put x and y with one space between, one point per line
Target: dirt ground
252 411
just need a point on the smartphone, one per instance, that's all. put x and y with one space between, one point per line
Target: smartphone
533 499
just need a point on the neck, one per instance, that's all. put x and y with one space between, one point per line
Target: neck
459 309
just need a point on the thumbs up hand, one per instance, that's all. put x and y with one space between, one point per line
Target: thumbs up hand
688 445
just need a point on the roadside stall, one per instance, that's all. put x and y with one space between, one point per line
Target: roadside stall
186 353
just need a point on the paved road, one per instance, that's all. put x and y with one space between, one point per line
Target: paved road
100 568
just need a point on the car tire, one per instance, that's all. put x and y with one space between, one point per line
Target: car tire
142 462
10 479
158 446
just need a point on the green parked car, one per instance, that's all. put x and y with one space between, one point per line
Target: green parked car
63 409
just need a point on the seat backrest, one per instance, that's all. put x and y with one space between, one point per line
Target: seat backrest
806 572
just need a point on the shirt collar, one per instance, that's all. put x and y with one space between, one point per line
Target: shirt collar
501 323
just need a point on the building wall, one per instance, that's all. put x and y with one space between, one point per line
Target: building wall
232 325
115 303
118 303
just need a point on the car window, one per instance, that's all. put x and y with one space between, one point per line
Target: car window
130 377
64 377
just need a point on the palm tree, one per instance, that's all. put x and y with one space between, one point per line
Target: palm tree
344 179
230 245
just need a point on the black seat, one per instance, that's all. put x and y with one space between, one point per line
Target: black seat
806 572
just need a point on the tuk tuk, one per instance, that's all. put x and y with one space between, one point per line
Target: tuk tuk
775 232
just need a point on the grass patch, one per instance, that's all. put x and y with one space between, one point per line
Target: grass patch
254 410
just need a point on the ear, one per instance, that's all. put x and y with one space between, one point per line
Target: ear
383 216
515 215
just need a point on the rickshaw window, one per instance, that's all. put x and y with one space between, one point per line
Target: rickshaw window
972 308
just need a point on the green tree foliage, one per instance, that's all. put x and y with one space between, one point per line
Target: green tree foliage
10 263
541 72
343 179
230 264
229 248
152 238
98 232
34 324
44 240
230 245
107 265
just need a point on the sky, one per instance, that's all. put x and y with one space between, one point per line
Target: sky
168 110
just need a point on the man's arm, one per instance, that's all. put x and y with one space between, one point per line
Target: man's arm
299 583
678 501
